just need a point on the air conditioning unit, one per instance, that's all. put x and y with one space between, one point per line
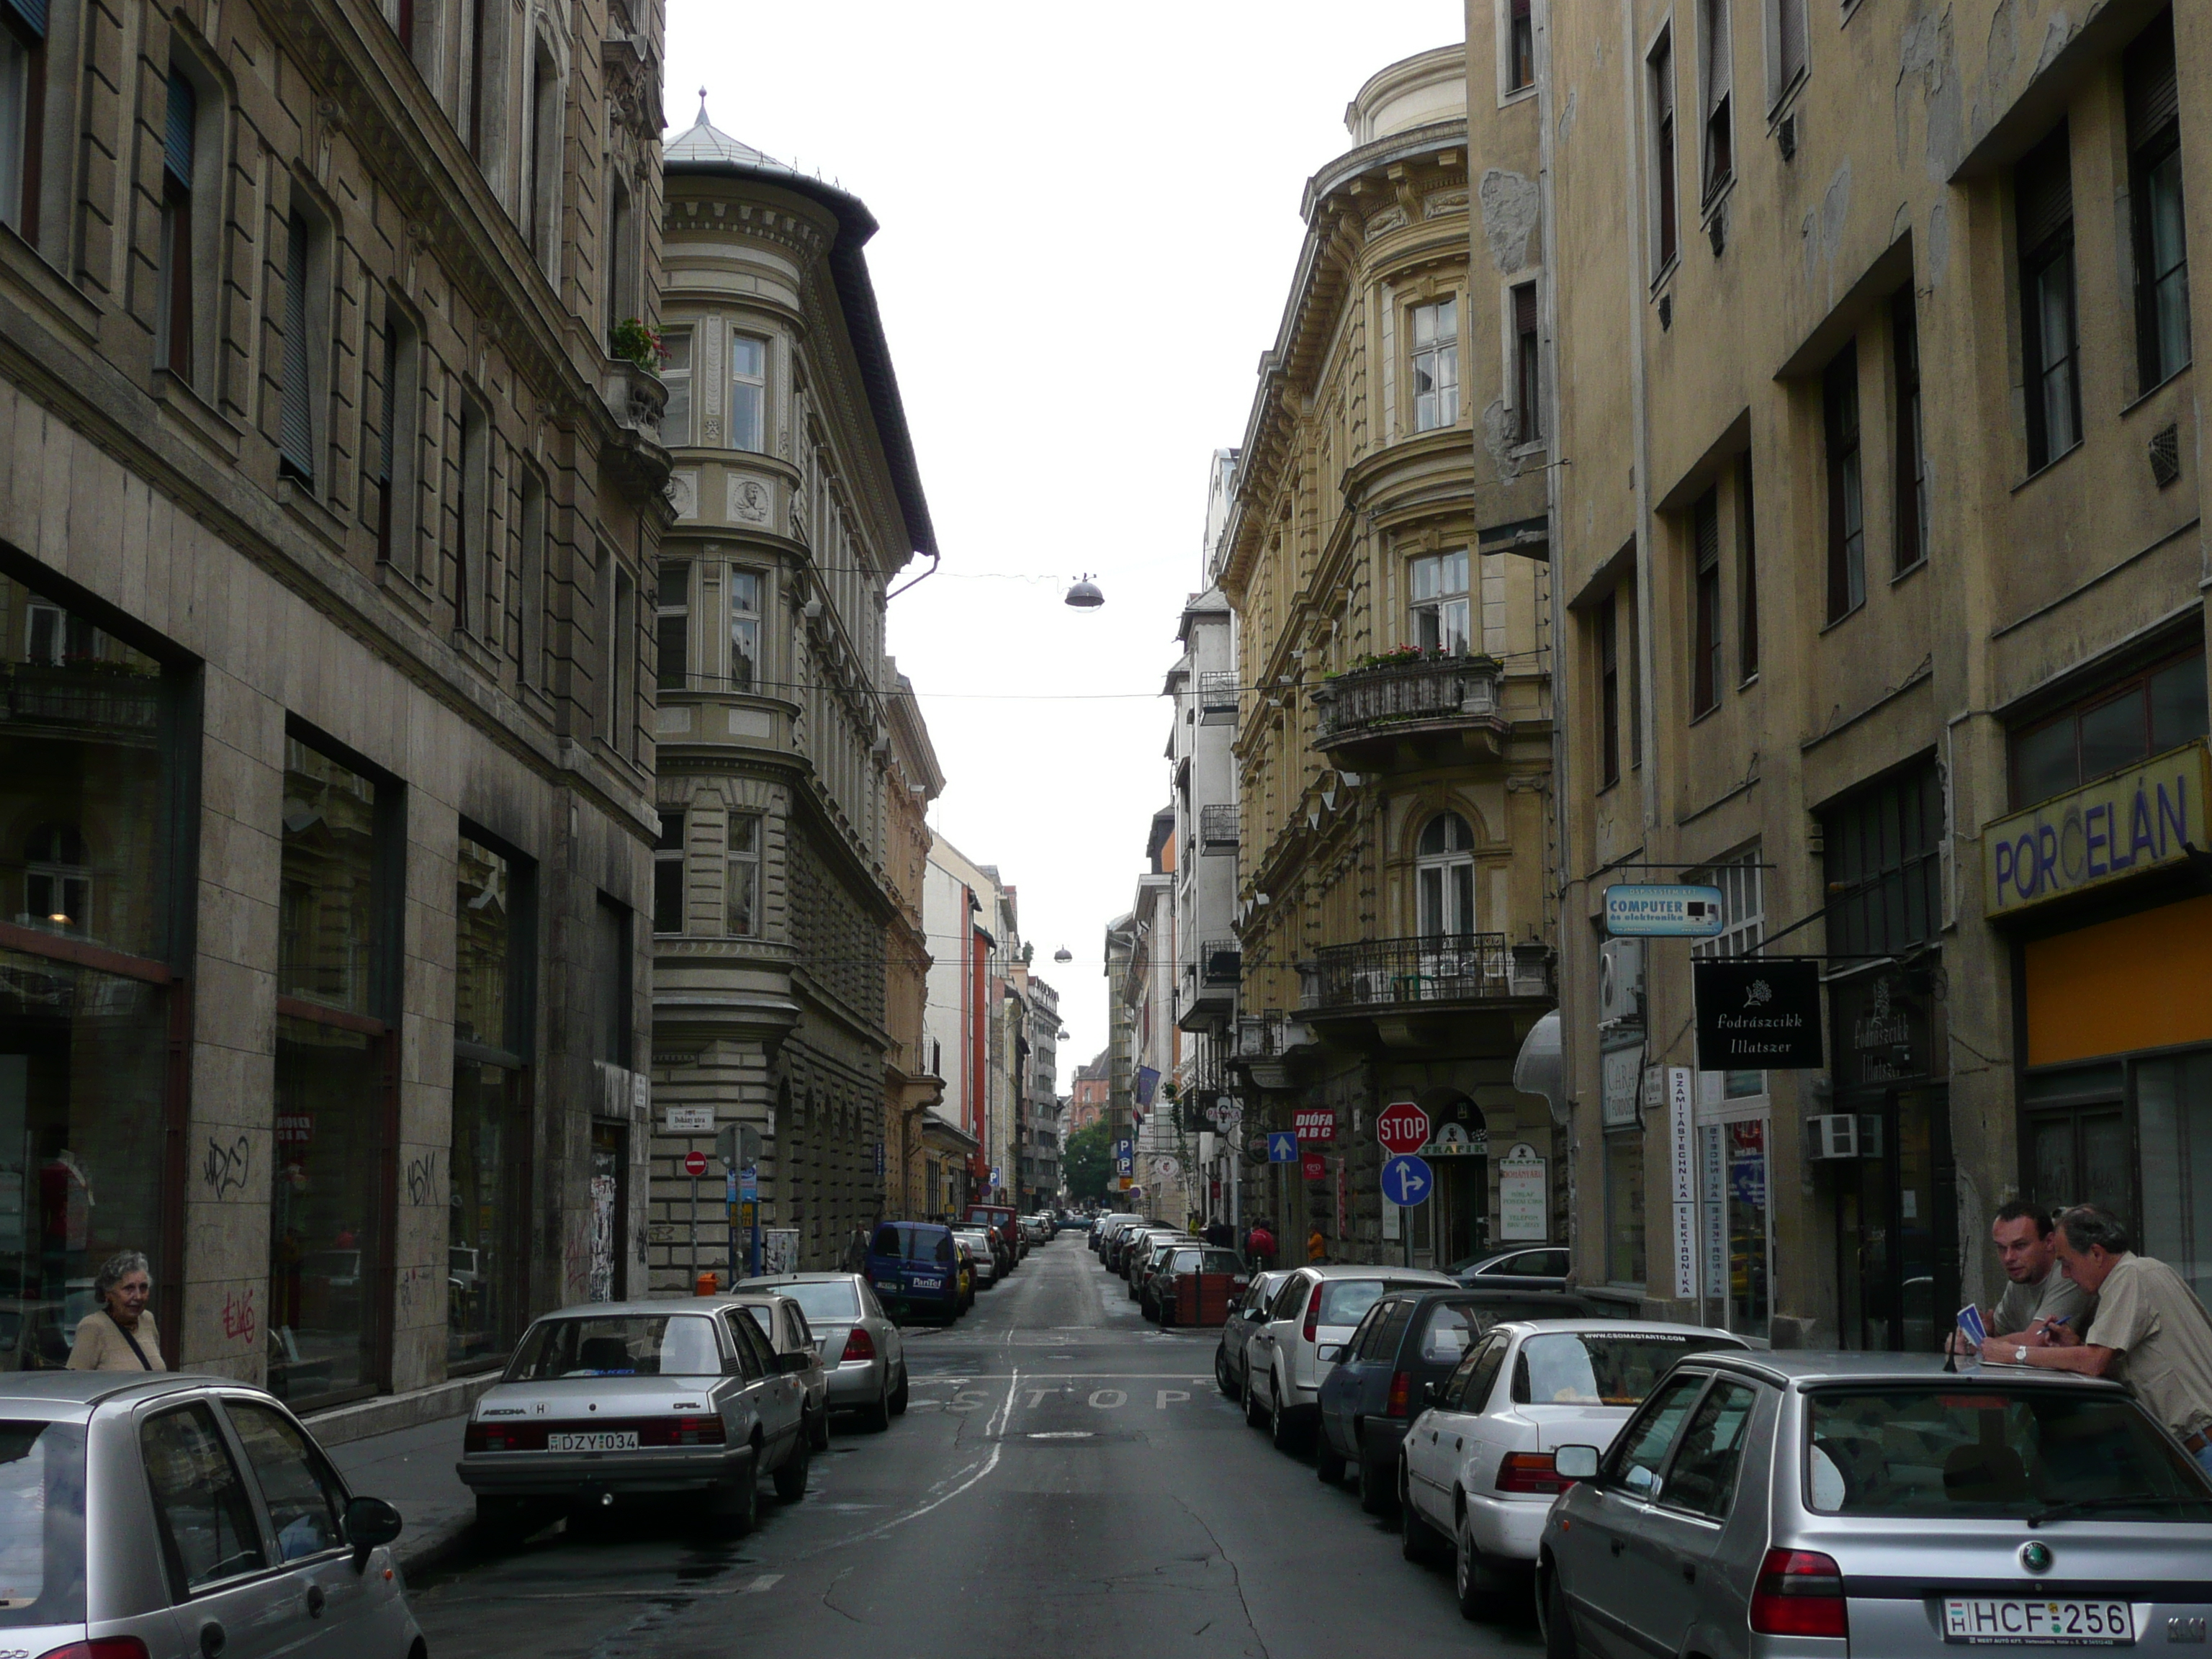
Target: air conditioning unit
1621 982
1833 1136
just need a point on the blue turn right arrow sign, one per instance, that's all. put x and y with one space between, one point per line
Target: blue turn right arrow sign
1407 1181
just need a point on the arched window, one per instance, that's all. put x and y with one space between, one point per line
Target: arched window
1444 875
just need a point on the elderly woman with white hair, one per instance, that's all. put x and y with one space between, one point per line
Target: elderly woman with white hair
119 1336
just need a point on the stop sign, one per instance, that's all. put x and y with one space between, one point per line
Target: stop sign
694 1163
1403 1127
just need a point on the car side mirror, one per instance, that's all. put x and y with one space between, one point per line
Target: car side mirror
1329 1352
790 1363
1429 1394
1576 1462
369 1523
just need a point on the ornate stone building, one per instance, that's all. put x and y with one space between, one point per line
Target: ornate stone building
797 502
913 1080
325 748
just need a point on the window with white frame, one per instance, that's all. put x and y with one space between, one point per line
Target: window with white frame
1659 71
1436 365
748 392
675 375
1444 876
1518 46
1785 47
744 629
674 630
22 113
1743 931
743 909
1437 601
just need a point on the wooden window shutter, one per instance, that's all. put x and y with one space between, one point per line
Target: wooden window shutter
2153 93
177 133
2043 191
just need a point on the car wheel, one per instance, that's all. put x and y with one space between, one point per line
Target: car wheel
1375 1496
876 1416
1221 1374
1281 1432
1473 1582
791 1474
1558 1629
898 1395
817 1430
735 1506
1253 1414
1327 1464
1417 1540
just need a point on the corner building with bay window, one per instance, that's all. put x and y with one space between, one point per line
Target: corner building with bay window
326 516
797 502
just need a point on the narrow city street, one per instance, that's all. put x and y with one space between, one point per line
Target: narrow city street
1067 1479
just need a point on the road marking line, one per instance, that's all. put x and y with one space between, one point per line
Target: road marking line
766 1581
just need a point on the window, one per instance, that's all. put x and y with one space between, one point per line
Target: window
1634 658
744 630
668 875
2119 725
531 644
748 392
403 25
1661 69
541 187
42 1501
1608 687
621 722
743 908
1839 405
1885 892
1705 603
620 252
610 967
1641 1450
201 1511
675 375
1436 365
2043 206
1910 490
1786 37
1444 876
173 287
1468 1387
1520 46
1720 82
483 80
22 113
2154 109
475 590
1528 366
400 399
1741 881
304 1497
487 1231
57 879
1746 556
295 436
674 633
1438 603
1702 1478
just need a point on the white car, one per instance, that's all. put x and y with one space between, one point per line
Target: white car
979 1246
1474 1470
1317 1307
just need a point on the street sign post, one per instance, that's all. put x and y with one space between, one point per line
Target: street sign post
1282 1147
1639 910
695 1165
1402 1127
1407 1181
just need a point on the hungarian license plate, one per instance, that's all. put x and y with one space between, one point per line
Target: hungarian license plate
600 1440
2003 1621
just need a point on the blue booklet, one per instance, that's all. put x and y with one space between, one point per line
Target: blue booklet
1970 1322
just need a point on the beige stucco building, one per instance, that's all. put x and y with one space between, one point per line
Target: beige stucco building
913 1082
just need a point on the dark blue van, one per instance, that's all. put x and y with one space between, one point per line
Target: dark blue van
915 1270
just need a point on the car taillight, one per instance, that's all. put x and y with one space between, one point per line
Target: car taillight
1799 1593
503 1436
1530 1472
101 1647
679 1432
1313 1312
1401 1394
859 1346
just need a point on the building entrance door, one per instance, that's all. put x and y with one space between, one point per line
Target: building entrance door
1897 1239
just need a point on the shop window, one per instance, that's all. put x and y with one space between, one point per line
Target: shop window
1624 1207
2173 1119
1884 875
487 1228
2121 724
86 763
1444 873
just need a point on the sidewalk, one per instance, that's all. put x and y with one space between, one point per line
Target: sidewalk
412 1469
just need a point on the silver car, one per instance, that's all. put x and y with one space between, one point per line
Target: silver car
783 1322
860 1343
979 1247
189 1514
1801 1504
639 1399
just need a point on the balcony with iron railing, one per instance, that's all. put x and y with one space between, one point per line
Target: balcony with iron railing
1217 697
1443 971
1412 708
1217 829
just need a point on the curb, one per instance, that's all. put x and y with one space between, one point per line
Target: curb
432 1547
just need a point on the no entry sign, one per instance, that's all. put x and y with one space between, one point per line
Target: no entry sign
694 1163
1403 1127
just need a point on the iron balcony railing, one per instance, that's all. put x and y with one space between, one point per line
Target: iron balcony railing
1420 690
1447 968
1219 963
1217 827
1216 696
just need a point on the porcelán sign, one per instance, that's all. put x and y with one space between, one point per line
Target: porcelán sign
2120 825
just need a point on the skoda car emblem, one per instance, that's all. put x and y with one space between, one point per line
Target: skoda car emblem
2035 1556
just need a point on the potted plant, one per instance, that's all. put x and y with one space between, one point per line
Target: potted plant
634 343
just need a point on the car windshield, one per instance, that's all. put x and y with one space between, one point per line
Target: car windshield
41 1524
1598 1368
826 1300
1346 1300
1963 1448
613 1345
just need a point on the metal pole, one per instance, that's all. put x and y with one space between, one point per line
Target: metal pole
695 1233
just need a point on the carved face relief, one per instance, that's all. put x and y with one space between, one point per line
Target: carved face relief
749 501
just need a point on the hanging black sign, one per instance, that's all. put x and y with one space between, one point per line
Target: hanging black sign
1758 1013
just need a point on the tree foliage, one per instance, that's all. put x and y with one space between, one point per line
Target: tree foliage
1086 1161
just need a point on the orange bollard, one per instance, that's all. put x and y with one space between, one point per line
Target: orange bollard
707 1285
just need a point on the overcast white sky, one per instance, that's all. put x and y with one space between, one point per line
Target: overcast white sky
1090 220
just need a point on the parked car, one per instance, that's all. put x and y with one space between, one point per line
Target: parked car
989 1254
1072 1221
1318 1307
1104 1225
783 1322
1037 1228
915 1270
1409 1341
1160 1301
859 1344
1143 1257
610 1399
1476 1470
966 1258
1004 1225
1246 1314
1538 1267
1117 1239
1794 1502
115 1488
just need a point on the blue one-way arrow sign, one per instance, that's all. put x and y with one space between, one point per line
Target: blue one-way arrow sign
1282 1147
1407 1181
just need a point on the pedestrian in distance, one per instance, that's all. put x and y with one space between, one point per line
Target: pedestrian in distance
1260 1247
2039 1292
1316 1246
119 1334
2150 1329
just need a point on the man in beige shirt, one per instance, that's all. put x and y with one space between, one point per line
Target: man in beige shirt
2150 1330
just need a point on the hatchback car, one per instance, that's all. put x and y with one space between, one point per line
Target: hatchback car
1145 1259
783 1322
1409 1342
1318 1307
1246 1314
915 1270
986 1253
859 1344
1160 1300
169 1516
611 1400
1801 1504
1475 1470
1539 1267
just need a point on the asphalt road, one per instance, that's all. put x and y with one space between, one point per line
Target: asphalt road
1067 1480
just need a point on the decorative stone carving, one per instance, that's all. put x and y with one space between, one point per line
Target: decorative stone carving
751 502
684 493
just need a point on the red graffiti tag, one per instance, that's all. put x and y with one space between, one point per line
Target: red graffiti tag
238 1315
